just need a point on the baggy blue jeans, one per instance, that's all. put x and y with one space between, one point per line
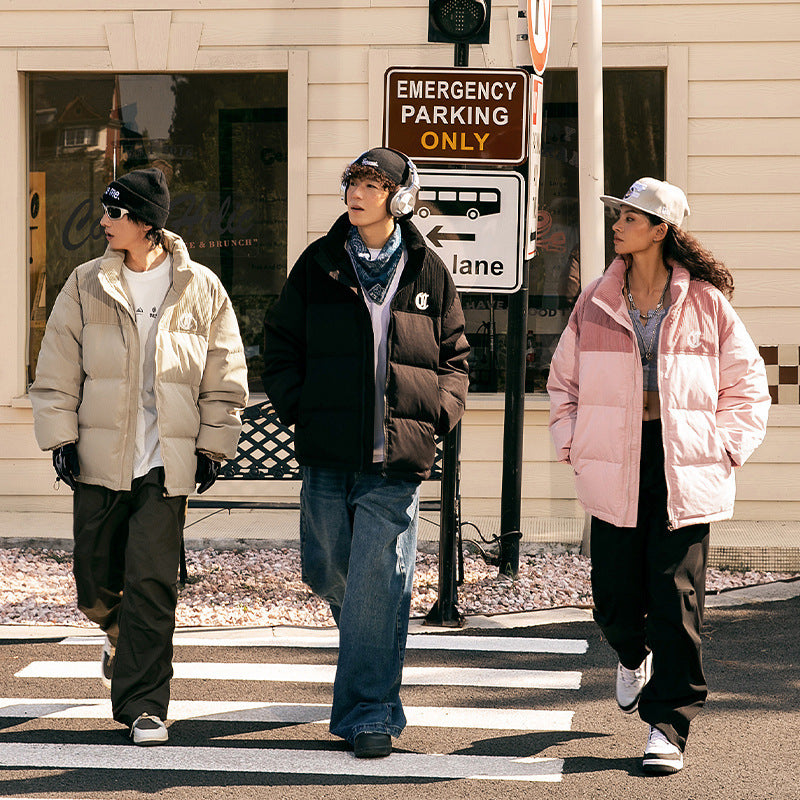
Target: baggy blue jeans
358 534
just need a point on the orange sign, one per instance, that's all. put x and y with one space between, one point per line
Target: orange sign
539 32
457 115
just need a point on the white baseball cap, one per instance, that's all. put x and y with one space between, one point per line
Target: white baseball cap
652 196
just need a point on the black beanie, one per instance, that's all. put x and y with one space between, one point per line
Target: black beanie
144 192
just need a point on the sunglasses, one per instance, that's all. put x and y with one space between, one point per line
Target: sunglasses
114 212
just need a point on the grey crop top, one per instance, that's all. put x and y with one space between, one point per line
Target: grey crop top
647 338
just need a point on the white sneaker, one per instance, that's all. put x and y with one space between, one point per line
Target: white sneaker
661 757
107 663
147 730
631 682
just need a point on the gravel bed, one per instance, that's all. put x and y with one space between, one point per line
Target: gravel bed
263 587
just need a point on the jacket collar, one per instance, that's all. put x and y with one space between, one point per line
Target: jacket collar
336 263
111 268
609 288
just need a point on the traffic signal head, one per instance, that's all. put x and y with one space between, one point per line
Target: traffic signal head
459 21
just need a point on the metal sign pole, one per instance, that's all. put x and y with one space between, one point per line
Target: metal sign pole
513 424
445 611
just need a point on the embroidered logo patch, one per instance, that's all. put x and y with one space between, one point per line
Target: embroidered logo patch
635 190
421 301
694 339
186 322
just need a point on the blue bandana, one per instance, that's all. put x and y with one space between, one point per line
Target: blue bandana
375 275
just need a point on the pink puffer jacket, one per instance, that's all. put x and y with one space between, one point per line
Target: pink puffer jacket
713 393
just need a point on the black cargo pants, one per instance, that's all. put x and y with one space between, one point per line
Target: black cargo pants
125 561
648 584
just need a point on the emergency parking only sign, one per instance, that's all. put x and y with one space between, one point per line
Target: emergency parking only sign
457 116
473 220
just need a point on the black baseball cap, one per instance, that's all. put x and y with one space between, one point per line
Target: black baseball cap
391 163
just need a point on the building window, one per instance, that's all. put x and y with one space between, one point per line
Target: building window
634 146
80 137
221 141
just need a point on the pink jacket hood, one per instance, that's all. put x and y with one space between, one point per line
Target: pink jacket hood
713 394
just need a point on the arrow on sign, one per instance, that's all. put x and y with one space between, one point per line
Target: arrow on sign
437 237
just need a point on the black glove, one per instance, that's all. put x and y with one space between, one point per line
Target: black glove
207 471
65 463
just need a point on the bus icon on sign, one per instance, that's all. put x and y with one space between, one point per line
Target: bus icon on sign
455 202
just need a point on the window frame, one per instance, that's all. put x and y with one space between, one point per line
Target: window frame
126 52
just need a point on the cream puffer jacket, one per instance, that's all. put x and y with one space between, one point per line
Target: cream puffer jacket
87 376
713 394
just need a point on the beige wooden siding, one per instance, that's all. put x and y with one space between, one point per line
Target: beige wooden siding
734 127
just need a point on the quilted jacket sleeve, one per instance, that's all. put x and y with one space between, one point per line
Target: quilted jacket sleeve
562 385
743 404
453 370
56 393
223 387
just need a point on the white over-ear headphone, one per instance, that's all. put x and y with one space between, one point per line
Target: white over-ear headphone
404 198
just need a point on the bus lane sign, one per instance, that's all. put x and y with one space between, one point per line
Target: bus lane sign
473 220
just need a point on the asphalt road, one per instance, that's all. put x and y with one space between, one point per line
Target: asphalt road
249 721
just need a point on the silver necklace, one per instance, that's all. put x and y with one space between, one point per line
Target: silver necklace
649 317
639 329
659 304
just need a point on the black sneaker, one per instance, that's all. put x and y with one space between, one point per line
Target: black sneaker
107 663
149 730
372 745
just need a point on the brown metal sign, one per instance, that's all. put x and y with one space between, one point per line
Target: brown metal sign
460 116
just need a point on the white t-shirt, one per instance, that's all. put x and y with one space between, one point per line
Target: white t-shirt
147 290
380 315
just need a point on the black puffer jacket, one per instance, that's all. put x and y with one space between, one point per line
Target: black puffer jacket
319 367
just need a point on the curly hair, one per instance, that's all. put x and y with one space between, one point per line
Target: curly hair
686 250
366 173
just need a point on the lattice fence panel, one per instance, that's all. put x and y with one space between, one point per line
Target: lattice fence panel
266 449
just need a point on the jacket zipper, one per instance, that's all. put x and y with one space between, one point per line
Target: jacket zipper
389 331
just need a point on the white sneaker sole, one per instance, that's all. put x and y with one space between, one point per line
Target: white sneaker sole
662 764
631 709
145 737
148 741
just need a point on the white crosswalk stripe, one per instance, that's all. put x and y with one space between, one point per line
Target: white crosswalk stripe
314 673
489 644
331 762
306 762
293 713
